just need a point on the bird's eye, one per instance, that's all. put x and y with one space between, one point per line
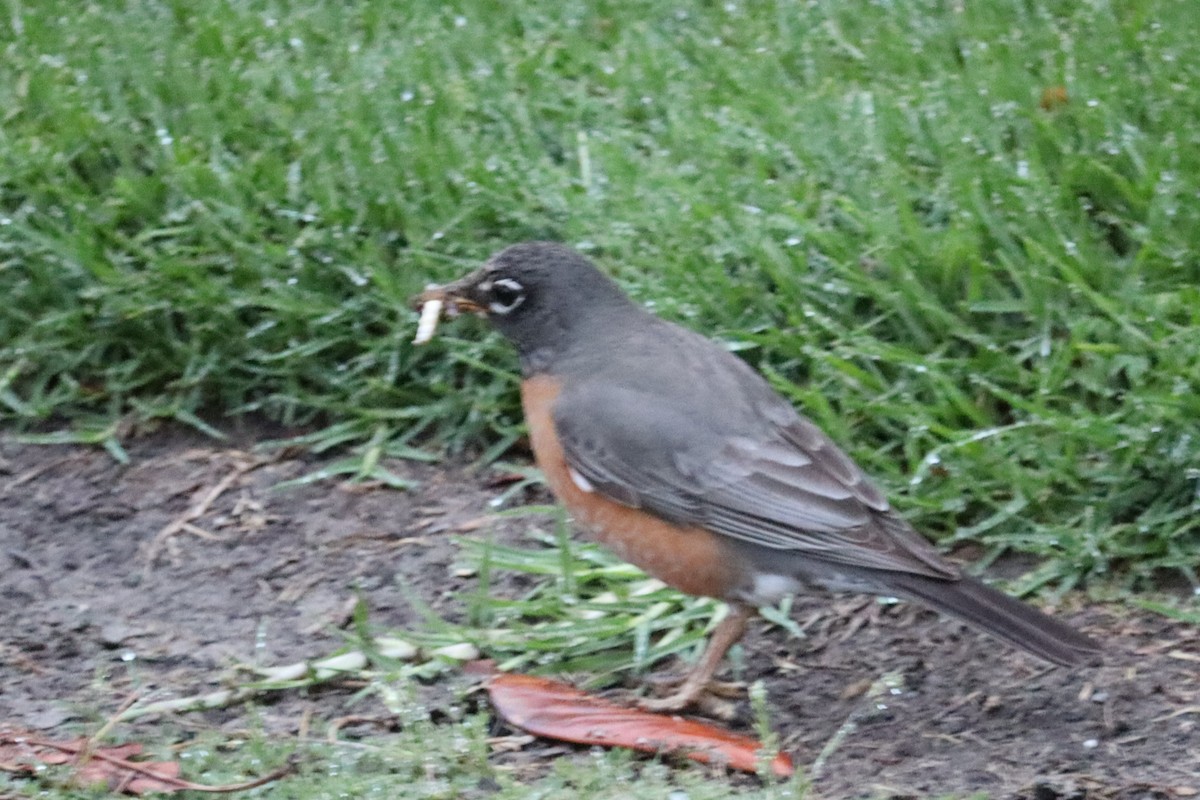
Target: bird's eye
506 295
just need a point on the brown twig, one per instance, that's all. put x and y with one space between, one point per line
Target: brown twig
93 741
35 472
79 751
197 510
331 734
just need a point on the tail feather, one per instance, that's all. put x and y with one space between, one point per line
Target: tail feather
1004 617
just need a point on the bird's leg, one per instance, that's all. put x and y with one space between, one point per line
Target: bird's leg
695 684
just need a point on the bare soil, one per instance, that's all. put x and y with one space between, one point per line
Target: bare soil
97 602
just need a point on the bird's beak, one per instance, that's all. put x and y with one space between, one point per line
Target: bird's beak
452 299
461 295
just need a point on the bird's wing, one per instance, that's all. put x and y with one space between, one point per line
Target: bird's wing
783 485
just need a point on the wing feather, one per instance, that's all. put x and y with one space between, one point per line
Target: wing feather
785 487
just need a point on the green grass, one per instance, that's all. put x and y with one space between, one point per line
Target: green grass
220 209
424 761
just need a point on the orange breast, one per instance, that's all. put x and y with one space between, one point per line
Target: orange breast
692 559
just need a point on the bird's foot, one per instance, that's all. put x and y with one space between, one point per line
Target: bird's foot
662 682
711 698
696 688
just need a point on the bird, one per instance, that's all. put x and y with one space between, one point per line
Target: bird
680 458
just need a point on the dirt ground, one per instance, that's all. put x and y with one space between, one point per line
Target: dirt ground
96 602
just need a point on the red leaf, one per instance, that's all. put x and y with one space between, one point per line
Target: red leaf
558 711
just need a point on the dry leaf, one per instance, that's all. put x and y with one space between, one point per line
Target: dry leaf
557 711
1054 97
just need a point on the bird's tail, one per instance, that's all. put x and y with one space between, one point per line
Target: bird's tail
1002 616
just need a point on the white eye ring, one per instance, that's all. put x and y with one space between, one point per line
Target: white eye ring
496 307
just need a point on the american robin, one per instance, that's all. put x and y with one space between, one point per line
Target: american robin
681 459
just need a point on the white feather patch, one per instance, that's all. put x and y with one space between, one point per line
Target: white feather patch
583 483
772 588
